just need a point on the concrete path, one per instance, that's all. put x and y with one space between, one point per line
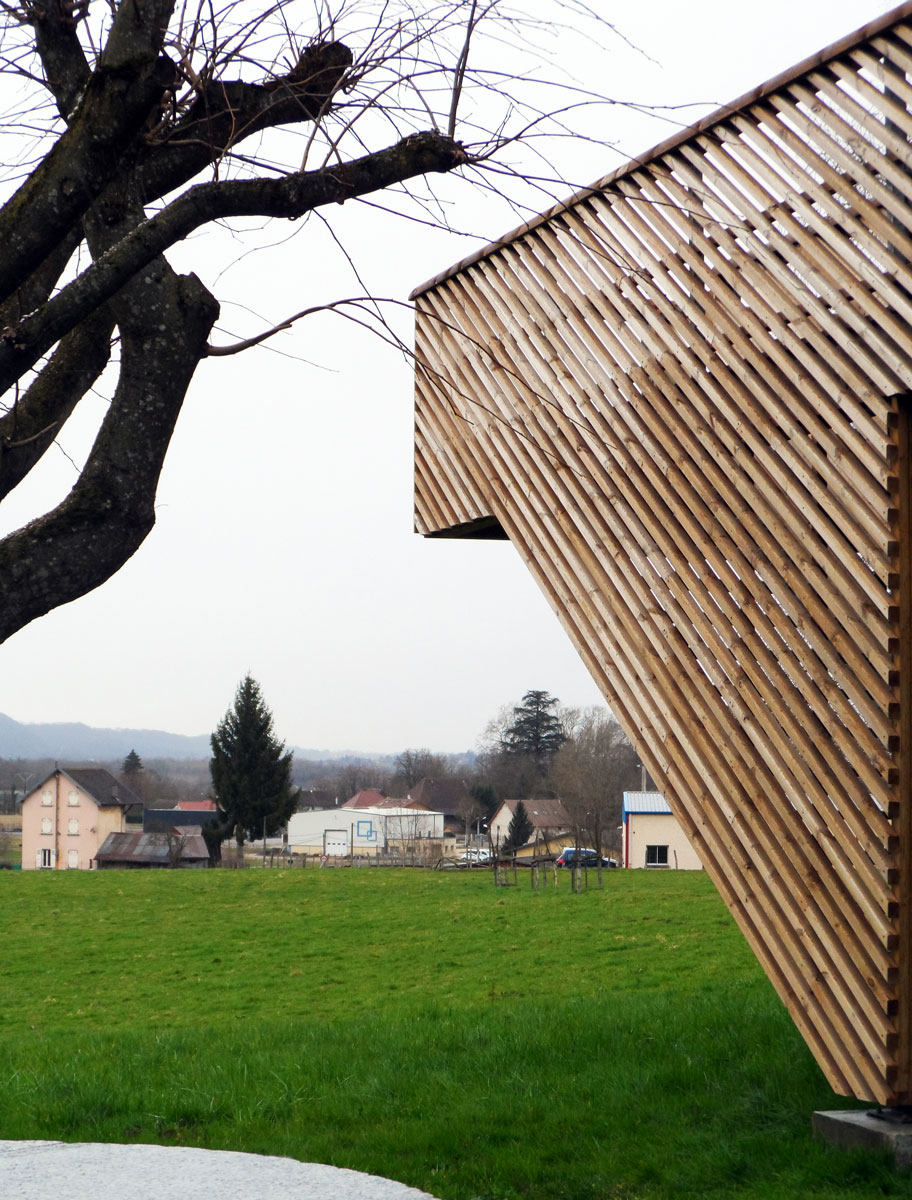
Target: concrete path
90 1170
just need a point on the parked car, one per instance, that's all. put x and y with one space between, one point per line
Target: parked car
587 858
479 855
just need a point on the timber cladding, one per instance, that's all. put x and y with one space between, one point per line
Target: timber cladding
684 396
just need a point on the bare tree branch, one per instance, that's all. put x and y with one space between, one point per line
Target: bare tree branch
65 66
291 197
110 510
37 417
226 113
132 102
112 109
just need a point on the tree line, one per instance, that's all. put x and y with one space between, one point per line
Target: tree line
533 749
539 749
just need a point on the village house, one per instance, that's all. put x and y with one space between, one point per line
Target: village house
653 837
69 814
550 821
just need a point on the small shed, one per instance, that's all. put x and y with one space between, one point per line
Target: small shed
653 837
132 851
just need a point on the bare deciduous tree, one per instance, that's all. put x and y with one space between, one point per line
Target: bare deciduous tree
590 773
470 813
176 843
414 765
351 778
142 123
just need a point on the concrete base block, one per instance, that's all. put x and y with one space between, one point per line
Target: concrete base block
870 1129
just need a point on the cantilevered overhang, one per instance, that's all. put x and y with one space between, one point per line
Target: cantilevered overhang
683 395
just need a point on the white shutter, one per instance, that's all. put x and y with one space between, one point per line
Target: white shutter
53 858
38 859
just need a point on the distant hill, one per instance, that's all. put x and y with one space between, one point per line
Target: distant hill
74 742
81 743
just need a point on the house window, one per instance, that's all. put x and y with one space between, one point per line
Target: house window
46 825
47 799
73 859
46 858
656 856
73 826
73 799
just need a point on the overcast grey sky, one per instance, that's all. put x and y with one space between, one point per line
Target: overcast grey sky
284 541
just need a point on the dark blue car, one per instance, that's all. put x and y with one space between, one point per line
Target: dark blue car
587 858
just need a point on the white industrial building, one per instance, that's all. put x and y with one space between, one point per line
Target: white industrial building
340 831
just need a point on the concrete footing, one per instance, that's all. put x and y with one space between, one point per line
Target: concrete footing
869 1129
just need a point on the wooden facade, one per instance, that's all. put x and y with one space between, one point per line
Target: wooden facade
684 396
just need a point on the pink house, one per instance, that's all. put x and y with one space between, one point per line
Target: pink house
67 817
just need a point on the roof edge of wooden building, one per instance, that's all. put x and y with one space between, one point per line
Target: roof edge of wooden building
840 46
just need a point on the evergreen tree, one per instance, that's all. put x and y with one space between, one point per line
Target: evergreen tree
250 768
132 764
520 829
486 799
535 731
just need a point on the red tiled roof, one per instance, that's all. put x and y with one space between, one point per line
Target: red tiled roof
369 798
544 814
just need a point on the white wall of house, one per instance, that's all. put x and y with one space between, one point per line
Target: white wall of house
361 830
499 824
656 840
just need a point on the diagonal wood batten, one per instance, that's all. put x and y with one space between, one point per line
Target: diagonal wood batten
684 397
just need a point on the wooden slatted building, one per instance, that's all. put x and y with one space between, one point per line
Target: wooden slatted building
684 396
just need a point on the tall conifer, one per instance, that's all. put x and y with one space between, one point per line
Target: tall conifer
536 731
250 768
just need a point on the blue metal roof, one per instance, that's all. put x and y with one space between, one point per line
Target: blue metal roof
645 802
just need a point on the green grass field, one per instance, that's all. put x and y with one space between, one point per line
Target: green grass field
475 1042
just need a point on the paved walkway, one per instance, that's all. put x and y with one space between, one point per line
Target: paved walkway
87 1170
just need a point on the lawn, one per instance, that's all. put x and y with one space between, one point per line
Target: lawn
475 1042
